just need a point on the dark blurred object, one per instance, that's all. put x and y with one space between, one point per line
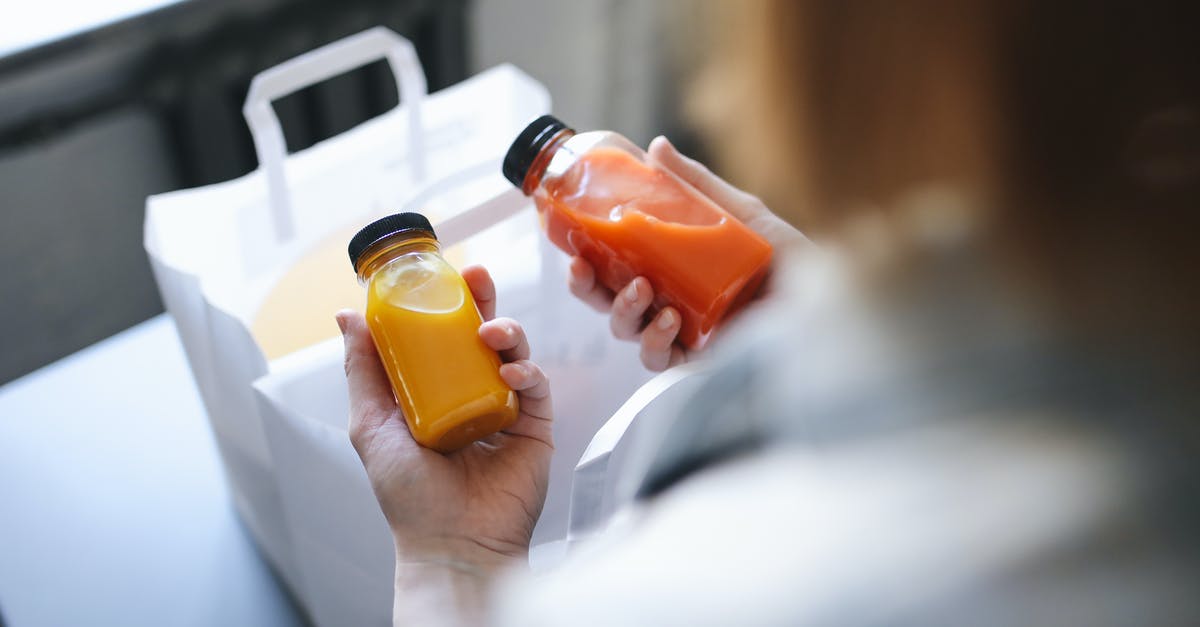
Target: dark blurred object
91 125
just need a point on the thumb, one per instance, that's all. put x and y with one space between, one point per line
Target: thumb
742 205
371 399
746 207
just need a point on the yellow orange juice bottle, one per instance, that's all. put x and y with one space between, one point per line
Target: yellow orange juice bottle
426 326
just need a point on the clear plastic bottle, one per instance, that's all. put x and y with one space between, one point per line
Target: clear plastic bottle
426 327
600 197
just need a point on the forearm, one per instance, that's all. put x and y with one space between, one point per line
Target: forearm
444 592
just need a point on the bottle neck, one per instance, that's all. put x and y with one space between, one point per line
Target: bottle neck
533 176
389 249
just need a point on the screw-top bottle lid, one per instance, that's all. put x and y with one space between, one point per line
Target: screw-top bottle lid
387 227
527 145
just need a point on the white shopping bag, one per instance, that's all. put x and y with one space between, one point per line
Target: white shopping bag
216 252
606 476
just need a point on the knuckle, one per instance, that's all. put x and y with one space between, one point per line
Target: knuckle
363 427
358 435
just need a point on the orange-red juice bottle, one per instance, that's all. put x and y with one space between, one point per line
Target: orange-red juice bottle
600 198
426 326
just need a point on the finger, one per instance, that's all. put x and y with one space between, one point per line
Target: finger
505 336
371 399
581 279
532 386
743 206
533 390
483 289
658 339
746 207
678 356
629 307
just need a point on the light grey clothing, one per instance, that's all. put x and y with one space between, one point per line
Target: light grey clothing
916 454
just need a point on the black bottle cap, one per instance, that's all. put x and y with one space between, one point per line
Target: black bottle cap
387 227
527 145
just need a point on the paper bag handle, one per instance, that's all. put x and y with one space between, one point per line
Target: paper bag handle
314 67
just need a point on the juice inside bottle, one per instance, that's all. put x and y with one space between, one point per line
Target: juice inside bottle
426 327
298 311
601 199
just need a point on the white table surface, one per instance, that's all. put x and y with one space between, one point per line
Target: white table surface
113 506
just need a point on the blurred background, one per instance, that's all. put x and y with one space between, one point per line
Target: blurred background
105 102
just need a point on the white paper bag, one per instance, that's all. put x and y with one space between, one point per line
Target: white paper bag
605 477
280 425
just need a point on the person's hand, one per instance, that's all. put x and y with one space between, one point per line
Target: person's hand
455 518
628 307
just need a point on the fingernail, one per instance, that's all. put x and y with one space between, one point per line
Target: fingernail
341 322
666 320
631 292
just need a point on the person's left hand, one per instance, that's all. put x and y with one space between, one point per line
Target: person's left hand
473 509
628 307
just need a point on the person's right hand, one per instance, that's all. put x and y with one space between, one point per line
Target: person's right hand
457 518
628 307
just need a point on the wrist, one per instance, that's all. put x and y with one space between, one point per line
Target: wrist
447 588
463 555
